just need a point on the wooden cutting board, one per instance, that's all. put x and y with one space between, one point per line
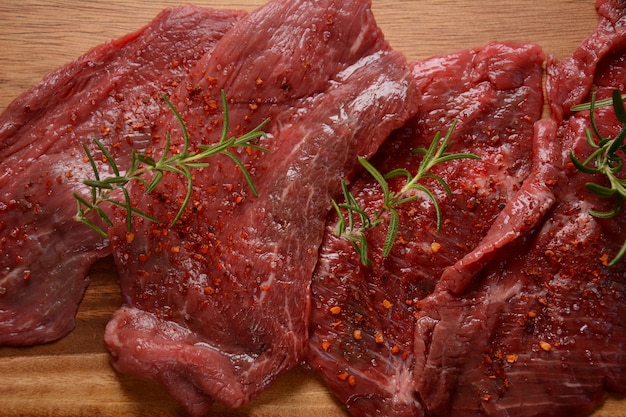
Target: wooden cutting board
72 377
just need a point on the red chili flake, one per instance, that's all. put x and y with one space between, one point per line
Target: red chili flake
335 310
357 334
143 258
175 249
379 338
210 104
326 345
435 247
130 236
387 304
209 290
26 275
343 376
258 82
604 259
395 349
545 346
550 182
265 287
351 380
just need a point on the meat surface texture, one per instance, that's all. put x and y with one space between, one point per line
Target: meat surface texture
363 316
510 309
538 331
218 306
113 93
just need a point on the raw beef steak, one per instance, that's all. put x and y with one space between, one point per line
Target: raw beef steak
113 93
218 306
364 316
539 330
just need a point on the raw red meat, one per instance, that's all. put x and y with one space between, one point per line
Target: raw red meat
113 93
218 306
539 331
363 317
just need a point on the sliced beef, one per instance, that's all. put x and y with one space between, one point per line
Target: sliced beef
364 316
113 93
539 330
218 306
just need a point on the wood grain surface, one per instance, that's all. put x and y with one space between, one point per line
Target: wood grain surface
72 377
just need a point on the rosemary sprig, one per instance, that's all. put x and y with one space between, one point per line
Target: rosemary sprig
605 159
356 222
102 189
596 104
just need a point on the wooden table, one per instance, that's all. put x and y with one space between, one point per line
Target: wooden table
72 377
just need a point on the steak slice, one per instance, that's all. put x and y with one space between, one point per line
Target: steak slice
364 316
218 306
539 331
112 92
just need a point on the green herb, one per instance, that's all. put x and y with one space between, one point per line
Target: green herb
356 222
103 189
596 104
605 159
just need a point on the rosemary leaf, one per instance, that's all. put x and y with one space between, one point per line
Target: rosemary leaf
355 232
606 159
392 231
181 163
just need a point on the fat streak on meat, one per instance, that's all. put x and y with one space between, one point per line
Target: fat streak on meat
113 93
538 331
364 351
218 306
